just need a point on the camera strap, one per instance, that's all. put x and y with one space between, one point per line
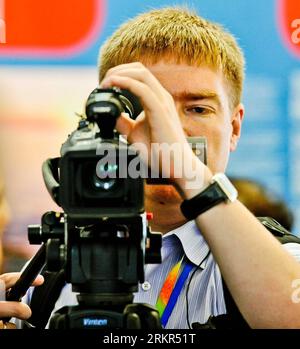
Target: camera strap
171 289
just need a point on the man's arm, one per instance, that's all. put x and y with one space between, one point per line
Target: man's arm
257 269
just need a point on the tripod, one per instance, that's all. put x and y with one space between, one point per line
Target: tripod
104 262
101 241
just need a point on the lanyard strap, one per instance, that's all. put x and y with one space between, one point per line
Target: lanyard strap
169 293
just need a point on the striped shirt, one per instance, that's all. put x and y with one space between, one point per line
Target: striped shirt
205 292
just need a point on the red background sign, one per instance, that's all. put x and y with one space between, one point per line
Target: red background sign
56 27
289 23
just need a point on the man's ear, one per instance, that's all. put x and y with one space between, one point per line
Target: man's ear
236 122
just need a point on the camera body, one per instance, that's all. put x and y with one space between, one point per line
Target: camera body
93 180
101 242
91 187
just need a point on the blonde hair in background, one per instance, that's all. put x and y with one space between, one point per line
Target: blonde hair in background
180 35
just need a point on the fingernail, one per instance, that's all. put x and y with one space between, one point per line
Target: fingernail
105 83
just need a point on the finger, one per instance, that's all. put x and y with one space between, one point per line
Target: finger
140 73
38 281
150 102
10 279
14 309
148 99
125 124
120 67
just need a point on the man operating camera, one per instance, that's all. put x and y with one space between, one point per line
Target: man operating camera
188 74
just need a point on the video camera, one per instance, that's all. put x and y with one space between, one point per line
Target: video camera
90 187
102 240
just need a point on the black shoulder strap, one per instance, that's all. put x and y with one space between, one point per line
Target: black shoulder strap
281 234
234 319
44 298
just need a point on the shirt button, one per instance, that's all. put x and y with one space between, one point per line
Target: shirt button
146 286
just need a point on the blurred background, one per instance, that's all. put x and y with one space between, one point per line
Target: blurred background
48 66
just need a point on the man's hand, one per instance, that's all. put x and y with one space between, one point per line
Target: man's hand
14 309
158 123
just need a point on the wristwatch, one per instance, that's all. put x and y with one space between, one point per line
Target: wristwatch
220 189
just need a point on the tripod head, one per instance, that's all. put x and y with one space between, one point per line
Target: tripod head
103 262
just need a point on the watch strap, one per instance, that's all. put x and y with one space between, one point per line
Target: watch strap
202 202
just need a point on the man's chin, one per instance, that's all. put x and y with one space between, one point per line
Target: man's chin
162 194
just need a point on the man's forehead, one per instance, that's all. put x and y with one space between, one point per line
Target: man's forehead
190 74
186 81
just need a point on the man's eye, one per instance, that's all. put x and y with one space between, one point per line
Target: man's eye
198 110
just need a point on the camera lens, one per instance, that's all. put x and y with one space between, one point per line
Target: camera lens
107 170
104 184
97 186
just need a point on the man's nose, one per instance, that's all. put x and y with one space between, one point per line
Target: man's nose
183 121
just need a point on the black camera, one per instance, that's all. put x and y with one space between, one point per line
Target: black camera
93 168
102 240
93 177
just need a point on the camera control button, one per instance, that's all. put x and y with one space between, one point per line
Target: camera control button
146 286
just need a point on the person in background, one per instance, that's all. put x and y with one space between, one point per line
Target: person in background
262 202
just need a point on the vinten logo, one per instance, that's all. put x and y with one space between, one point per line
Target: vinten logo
94 322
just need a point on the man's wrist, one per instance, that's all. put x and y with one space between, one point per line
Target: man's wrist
189 191
219 190
196 176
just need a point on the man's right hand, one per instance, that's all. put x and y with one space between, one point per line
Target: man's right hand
158 124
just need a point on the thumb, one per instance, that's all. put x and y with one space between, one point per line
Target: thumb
14 309
125 124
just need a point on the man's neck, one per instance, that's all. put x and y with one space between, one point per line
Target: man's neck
164 228
166 217
164 202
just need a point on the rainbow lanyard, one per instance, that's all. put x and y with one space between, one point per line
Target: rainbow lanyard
171 289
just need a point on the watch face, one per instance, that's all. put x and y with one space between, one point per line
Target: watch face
226 186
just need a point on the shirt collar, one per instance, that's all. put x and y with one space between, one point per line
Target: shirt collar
192 241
